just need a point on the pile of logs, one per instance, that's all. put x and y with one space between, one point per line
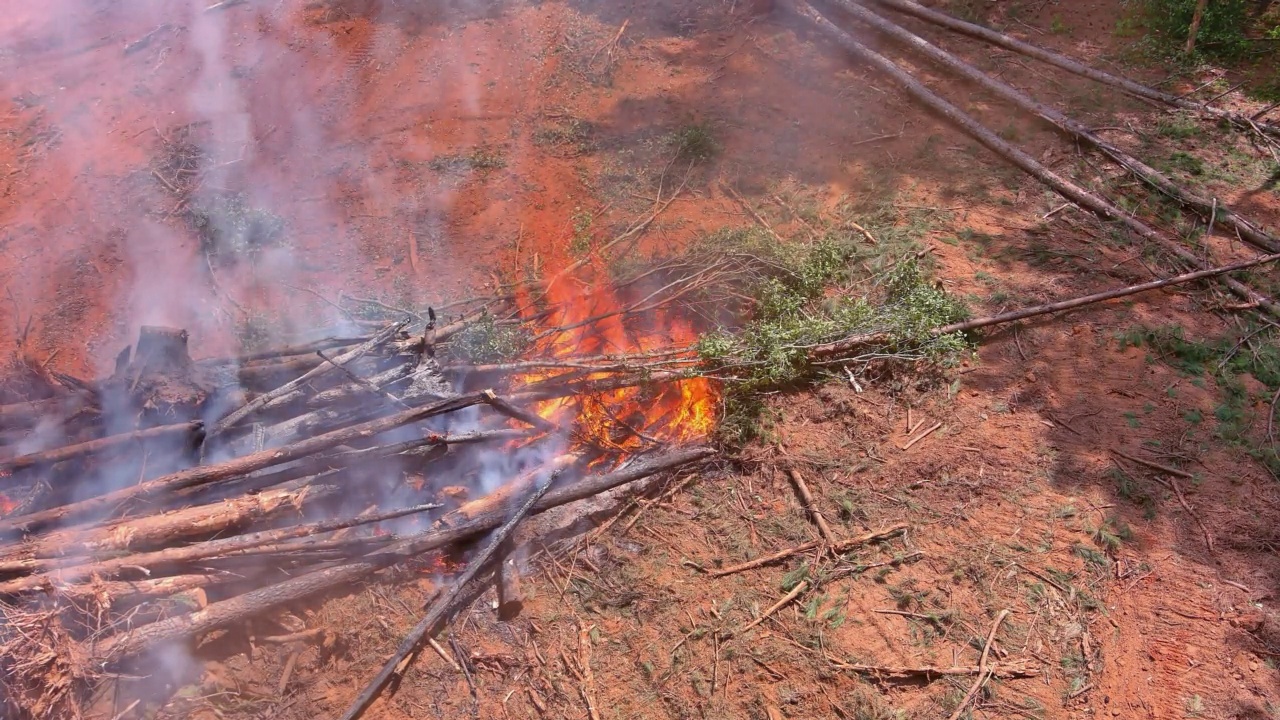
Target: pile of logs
178 497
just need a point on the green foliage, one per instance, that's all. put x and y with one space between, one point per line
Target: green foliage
795 309
1189 164
487 341
1113 534
795 577
1222 33
1179 127
1254 351
695 141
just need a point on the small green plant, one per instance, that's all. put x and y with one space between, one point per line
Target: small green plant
1189 164
795 577
582 223
1195 706
1254 351
488 341
695 141
1057 26
1129 489
1113 534
1179 127
1090 555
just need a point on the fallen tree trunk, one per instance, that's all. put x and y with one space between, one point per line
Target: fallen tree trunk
1071 65
227 612
264 400
1018 158
343 392
158 530
70 452
104 593
223 547
233 468
855 343
284 352
23 415
442 609
1211 210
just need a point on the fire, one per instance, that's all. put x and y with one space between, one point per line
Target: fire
583 319
6 505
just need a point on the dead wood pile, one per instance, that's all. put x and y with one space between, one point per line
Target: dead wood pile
176 497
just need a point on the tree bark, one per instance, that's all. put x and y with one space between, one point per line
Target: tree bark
23 415
442 609
265 399
227 612
1196 18
1069 64
169 527
224 547
70 452
1207 208
1018 158
232 468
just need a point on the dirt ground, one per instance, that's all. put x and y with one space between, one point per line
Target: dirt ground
419 152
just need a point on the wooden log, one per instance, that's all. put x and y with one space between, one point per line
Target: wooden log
518 413
1220 213
837 548
233 610
444 608
510 595
350 390
104 592
502 497
190 432
285 352
264 400
855 343
232 468
1004 671
24 415
1068 64
423 449
166 528
1018 158
223 547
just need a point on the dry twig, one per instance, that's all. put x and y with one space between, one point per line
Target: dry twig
984 671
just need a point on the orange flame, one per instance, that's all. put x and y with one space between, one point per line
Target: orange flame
6 505
584 319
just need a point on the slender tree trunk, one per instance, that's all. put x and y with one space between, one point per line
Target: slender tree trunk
1194 30
1020 159
1206 207
1068 64
856 343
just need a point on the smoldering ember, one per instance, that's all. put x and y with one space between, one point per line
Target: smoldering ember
856 359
